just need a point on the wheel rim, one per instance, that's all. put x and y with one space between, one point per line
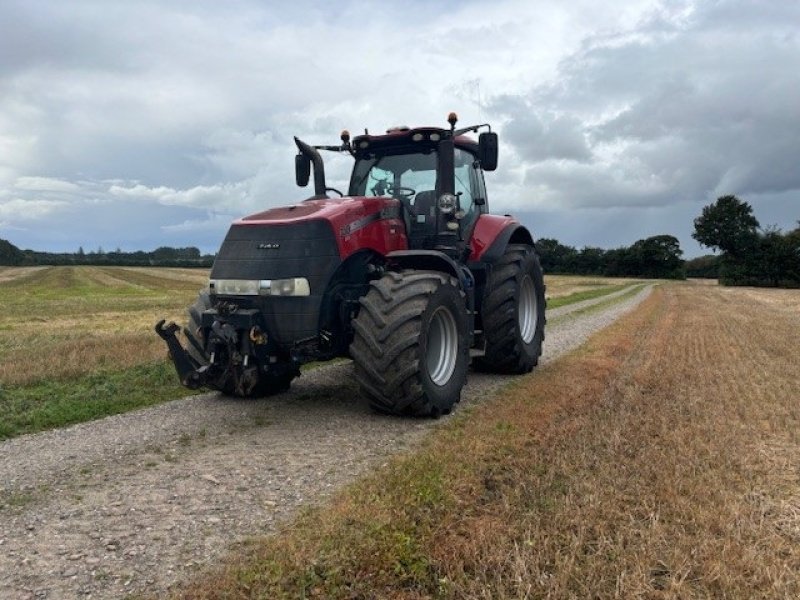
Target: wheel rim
442 347
527 310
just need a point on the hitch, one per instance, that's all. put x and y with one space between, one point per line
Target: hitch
190 374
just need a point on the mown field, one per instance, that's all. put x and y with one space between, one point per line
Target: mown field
77 343
658 461
568 289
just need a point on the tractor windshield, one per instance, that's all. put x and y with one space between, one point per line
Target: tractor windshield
411 178
401 176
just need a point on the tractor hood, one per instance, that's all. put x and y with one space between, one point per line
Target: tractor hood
356 223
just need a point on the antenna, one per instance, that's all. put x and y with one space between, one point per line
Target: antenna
478 86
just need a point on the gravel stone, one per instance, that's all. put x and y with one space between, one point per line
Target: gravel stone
133 503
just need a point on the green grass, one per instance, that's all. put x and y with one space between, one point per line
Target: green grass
77 343
48 404
60 291
584 295
629 293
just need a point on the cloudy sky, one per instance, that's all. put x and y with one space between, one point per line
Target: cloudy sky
141 124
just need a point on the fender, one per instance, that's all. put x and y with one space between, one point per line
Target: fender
431 260
434 260
492 234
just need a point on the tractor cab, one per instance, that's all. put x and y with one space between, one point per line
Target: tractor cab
435 173
406 166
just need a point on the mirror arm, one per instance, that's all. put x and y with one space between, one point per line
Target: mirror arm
319 167
471 128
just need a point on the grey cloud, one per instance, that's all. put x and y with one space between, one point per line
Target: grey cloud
539 135
192 108
692 103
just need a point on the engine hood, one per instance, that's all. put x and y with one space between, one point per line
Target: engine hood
356 222
328 209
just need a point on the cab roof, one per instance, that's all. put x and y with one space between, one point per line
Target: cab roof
405 136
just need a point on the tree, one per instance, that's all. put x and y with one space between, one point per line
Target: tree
9 254
589 261
703 266
659 256
777 260
553 255
728 225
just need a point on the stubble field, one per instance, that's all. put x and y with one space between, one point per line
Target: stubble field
658 461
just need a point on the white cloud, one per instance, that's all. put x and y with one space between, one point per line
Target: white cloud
218 196
212 223
18 209
45 184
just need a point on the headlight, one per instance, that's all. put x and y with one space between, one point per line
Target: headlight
447 203
294 286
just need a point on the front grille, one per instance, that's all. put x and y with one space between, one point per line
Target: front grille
277 251
306 249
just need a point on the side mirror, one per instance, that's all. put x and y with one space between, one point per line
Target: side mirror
487 150
302 169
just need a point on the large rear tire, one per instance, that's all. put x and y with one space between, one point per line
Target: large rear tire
513 312
410 347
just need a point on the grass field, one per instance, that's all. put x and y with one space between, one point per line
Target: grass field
566 289
658 461
77 343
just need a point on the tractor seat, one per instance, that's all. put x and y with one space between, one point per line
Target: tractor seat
424 211
422 233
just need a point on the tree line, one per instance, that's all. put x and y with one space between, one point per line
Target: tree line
657 257
164 256
749 255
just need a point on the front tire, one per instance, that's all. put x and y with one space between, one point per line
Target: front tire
513 312
193 330
410 347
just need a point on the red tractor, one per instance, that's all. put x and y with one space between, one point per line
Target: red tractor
406 273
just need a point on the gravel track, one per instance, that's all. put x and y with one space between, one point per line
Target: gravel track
135 502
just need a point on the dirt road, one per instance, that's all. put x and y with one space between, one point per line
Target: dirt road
135 502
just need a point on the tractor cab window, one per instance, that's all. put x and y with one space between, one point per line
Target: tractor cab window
411 178
469 185
398 175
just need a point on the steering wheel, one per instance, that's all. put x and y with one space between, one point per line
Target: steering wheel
402 193
334 190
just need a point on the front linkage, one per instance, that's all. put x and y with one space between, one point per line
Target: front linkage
191 374
227 368
231 355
